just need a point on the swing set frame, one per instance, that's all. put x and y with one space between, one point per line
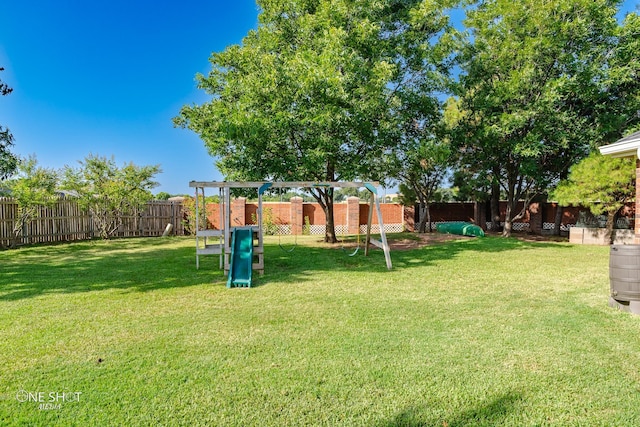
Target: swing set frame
223 247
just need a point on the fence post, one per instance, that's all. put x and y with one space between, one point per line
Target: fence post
295 215
353 215
238 210
479 214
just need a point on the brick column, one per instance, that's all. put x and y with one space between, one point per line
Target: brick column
636 239
353 215
296 219
479 214
238 211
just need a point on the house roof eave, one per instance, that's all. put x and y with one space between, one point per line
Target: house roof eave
625 147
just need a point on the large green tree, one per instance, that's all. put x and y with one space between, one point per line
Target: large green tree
314 93
610 101
615 103
424 57
530 75
8 161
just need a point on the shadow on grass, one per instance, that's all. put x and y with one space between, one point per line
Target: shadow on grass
137 265
149 264
488 413
295 266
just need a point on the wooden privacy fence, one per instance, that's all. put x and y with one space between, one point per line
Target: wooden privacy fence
64 221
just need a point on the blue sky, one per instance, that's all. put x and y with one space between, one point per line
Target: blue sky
106 78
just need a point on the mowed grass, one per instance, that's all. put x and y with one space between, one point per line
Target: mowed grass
473 332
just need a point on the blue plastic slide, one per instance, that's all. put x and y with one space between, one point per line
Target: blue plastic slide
241 257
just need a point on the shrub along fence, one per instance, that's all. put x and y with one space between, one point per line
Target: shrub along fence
64 221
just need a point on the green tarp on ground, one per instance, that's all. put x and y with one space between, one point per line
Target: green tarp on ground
461 228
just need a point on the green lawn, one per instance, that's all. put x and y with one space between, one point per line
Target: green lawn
474 332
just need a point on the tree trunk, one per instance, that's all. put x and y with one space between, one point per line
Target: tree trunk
330 227
14 241
506 231
19 229
558 220
514 191
508 217
495 207
511 216
479 214
422 225
610 234
324 197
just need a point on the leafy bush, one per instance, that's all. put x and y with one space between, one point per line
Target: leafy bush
306 229
110 193
269 225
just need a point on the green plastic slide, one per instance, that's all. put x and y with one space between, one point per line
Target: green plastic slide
461 228
241 257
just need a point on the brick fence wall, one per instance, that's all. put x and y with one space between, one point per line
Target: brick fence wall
348 215
538 218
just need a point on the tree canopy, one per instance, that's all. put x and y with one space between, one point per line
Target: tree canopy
316 91
531 73
326 90
8 161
